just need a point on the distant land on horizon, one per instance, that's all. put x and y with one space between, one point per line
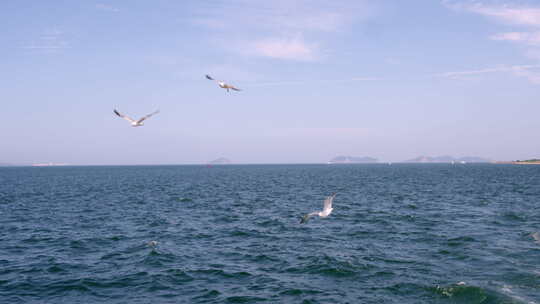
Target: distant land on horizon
532 161
447 159
352 160
47 164
342 159
220 161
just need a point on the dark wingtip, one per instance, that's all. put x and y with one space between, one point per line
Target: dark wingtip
116 112
208 77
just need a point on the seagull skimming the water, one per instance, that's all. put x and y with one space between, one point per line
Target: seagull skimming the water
135 123
223 84
327 209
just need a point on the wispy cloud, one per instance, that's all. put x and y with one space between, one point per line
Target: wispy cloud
106 7
530 38
510 14
296 49
281 83
280 29
526 18
51 40
531 75
527 71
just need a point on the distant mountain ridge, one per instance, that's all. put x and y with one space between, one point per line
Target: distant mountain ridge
447 159
352 160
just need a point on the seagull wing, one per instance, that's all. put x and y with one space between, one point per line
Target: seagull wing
147 116
306 217
124 116
328 202
233 88
209 78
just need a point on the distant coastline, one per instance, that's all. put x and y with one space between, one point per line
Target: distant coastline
220 161
352 160
534 161
447 159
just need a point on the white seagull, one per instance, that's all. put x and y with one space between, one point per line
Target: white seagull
223 84
536 237
327 209
135 123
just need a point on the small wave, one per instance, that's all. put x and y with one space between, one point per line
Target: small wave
270 223
459 241
469 294
261 258
513 216
328 266
220 273
208 294
244 299
298 292
508 291
184 199
179 276
156 258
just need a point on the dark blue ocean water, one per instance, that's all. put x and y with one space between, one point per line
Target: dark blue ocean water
231 234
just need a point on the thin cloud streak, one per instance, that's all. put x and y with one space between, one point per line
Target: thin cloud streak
530 38
50 40
106 7
280 29
527 16
296 49
285 83
517 70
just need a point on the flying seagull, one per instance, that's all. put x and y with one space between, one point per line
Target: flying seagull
327 209
536 237
135 123
223 84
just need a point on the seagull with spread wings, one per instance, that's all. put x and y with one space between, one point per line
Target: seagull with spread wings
327 209
223 84
135 123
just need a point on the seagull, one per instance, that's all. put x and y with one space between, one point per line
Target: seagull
135 123
327 209
536 237
223 84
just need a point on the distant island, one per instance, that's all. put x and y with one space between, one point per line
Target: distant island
352 160
220 161
534 161
49 164
447 159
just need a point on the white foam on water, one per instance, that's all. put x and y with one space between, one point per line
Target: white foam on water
507 290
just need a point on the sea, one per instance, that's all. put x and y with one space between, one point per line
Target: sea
399 233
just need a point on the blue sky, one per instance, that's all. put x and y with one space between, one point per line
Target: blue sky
388 79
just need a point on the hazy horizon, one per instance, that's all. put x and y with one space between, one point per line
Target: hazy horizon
234 162
385 79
